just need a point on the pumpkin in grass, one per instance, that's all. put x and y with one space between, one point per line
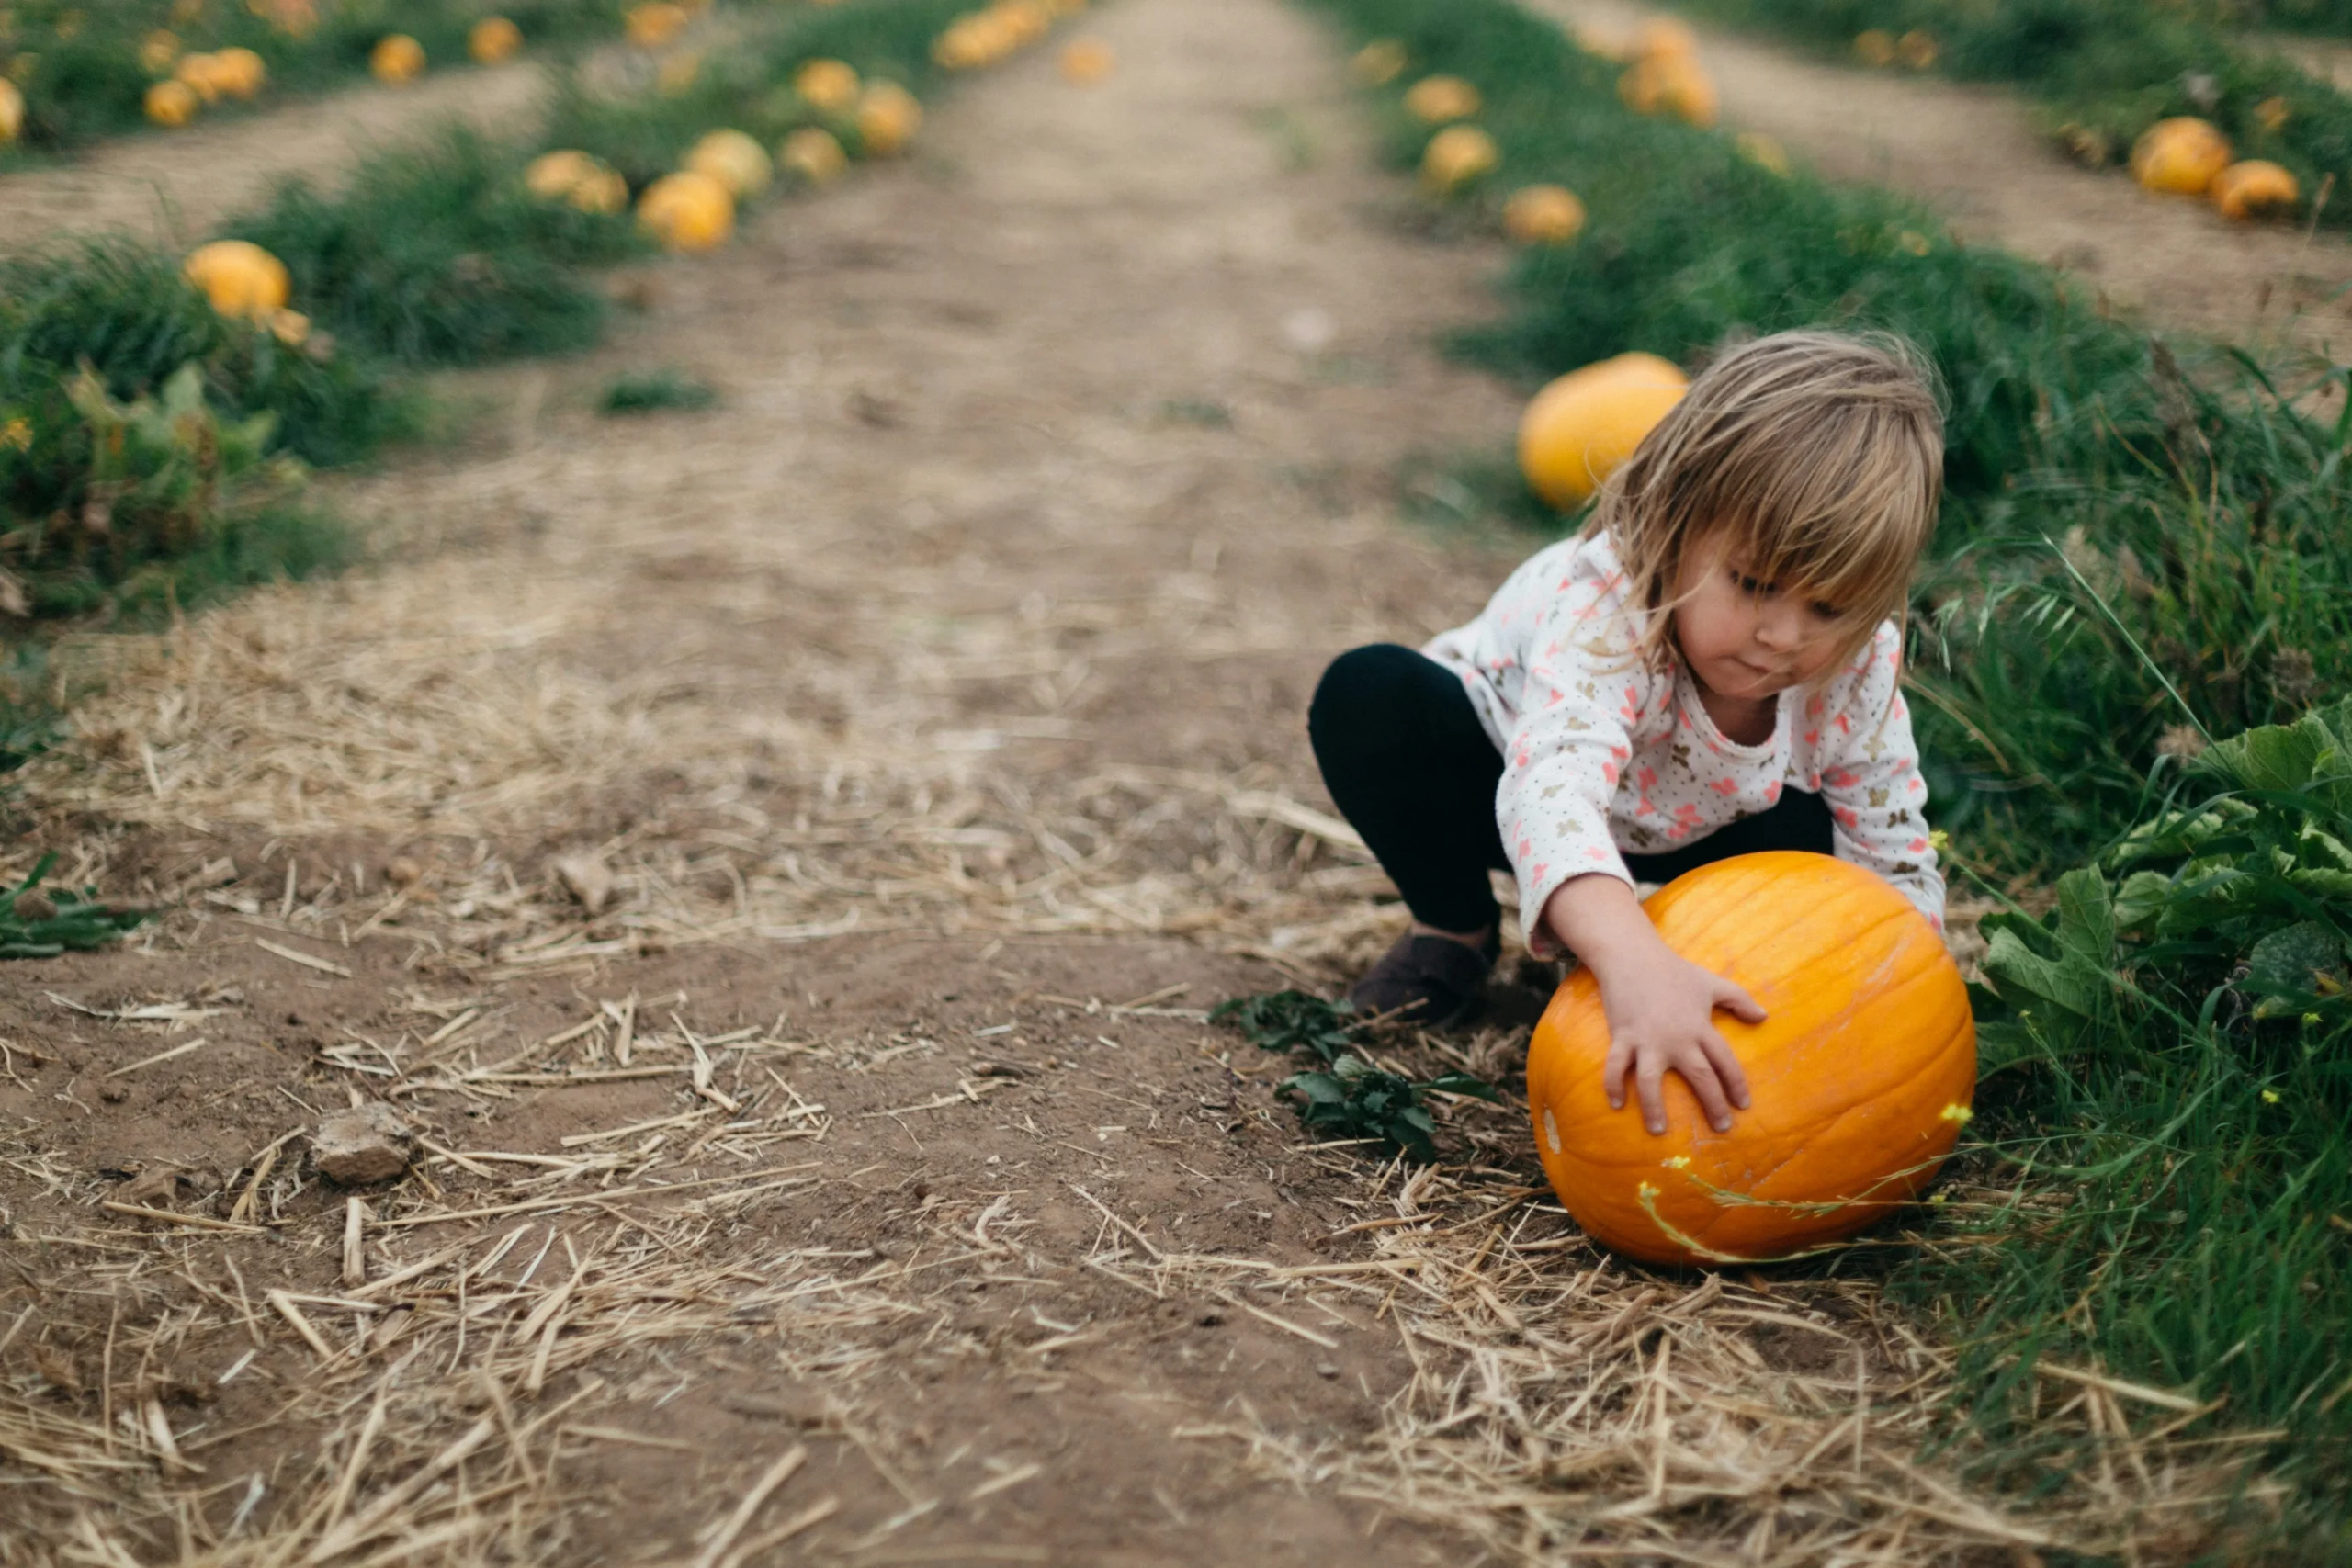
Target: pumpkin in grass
241 72
654 23
157 51
202 76
397 59
1673 84
2179 156
888 117
828 86
1458 155
1379 63
172 104
1580 428
12 111
1437 99
811 154
238 277
735 161
2254 188
687 211
493 40
1859 1077
1543 215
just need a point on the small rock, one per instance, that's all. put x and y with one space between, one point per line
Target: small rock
365 1143
587 878
1326 1369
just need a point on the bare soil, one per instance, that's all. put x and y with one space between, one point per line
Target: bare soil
935 707
1971 153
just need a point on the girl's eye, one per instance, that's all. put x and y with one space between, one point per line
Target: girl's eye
1823 609
1749 584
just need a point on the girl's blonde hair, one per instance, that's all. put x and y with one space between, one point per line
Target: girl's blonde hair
1816 457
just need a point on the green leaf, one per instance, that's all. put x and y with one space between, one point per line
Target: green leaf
2082 974
2289 966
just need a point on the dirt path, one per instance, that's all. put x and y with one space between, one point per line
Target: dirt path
176 186
862 1184
1971 153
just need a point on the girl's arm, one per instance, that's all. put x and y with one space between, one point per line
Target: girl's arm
1660 1006
1584 694
1869 777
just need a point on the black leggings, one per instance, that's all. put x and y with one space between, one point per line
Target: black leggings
1409 765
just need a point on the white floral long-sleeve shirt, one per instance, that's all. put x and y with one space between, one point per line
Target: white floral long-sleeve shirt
1605 756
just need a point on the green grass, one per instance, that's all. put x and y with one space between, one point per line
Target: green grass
435 254
655 392
2103 70
2168 1077
157 449
89 83
2142 545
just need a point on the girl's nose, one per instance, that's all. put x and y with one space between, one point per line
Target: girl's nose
1781 626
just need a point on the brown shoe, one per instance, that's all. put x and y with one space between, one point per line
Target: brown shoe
1427 980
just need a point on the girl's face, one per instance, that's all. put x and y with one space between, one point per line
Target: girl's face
1745 638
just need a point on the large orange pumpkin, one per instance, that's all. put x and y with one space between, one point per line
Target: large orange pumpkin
1860 1075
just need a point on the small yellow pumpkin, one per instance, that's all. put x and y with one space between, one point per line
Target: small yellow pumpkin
735 161
830 86
813 154
1917 49
1378 63
1437 99
12 111
1543 215
1676 84
2254 188
172 104
1577 429
1086 61
687 211
888 117
1458 155
397 59
239 277
1875 47
2179 156
493 40
583 181
202 74
654 23
1861 1074
240 72
157 51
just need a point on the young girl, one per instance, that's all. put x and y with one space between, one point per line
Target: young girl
1712 667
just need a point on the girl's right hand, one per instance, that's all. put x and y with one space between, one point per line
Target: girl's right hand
1661 1010
1661 1007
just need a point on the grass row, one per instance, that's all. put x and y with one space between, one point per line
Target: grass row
79 66
121 496
2142 550
2103 71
